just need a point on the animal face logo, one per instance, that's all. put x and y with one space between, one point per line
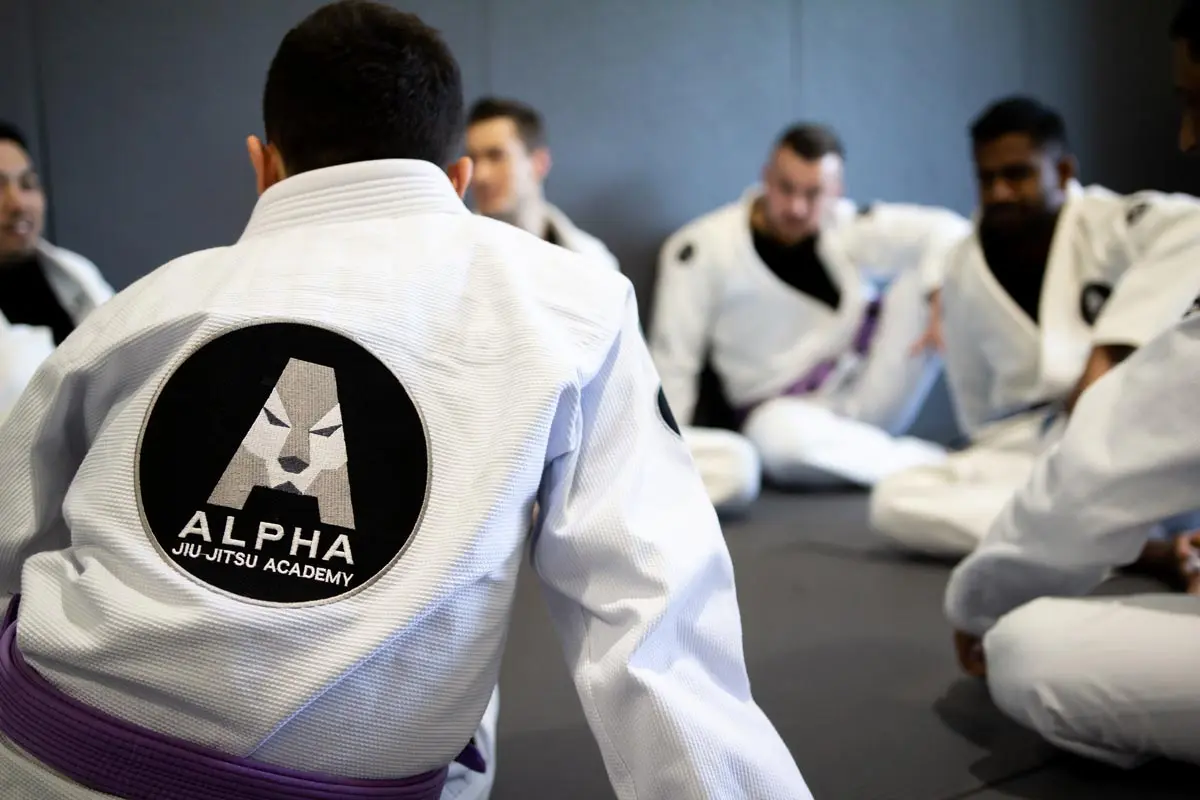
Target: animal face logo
296 444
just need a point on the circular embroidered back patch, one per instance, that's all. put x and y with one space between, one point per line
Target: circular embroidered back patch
282 463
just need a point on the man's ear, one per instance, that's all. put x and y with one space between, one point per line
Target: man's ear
460 173
1068 170
267 163
542 162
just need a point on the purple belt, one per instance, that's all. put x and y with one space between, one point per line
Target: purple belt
815 378
113 757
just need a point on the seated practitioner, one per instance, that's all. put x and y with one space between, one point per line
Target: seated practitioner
1057 284
45 291
781 289
266 531
1110 678
506 140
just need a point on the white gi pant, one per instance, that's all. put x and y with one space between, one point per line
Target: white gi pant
1115 679
729 466
946 509
22 778
854 433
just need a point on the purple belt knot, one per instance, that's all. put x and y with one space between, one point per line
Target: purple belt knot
114 757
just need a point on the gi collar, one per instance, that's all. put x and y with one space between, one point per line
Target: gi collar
353 192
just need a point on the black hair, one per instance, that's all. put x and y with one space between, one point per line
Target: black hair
1186 26
11 133
529 123
360 81
1019 114
811 141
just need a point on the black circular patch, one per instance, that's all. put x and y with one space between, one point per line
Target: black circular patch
664 411
685 253
1092 300
282 463
1136 212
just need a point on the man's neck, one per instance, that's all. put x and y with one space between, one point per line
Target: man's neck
17 257
530 216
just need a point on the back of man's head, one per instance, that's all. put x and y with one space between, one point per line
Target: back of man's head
360 81
1020 115
527 120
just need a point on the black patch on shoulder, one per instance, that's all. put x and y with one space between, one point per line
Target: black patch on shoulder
1136 212
685 253
1092 300
282 464
865 210
1193 309
664 411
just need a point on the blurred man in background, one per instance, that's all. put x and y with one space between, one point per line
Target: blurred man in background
45 291
807 306
506 140
1111 678
1058 284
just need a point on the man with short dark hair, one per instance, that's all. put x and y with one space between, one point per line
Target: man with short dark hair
1111 678
1058 285
45 291
265 512
506 140
782 290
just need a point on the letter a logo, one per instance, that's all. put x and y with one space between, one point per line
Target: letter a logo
296 444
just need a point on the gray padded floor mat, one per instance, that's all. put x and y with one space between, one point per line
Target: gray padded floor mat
849 657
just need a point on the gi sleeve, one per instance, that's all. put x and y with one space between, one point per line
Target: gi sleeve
1129 459
890 238
641 590
1159 236
968 372
684 299
42 444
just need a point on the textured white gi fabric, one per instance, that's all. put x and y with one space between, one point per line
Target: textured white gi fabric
716 295
1111 679
1145 246
580 241
80 289
394 679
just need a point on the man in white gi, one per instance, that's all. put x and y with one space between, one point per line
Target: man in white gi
1057 284
45 291
1111 678
506 140
265 518
781 290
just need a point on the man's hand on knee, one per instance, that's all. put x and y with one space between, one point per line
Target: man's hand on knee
970 654
1187 555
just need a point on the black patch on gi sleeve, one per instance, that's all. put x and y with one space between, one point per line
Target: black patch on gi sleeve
686 253
1092 301
1136 212
664 411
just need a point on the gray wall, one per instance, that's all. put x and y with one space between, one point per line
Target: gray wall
659 109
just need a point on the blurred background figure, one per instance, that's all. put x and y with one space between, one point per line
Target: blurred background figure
45 291
507 141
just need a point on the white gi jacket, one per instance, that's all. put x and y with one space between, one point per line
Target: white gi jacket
1121 270
1129 459
80 289
417 375
714 291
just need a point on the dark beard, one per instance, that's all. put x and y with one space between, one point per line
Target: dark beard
1023 241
